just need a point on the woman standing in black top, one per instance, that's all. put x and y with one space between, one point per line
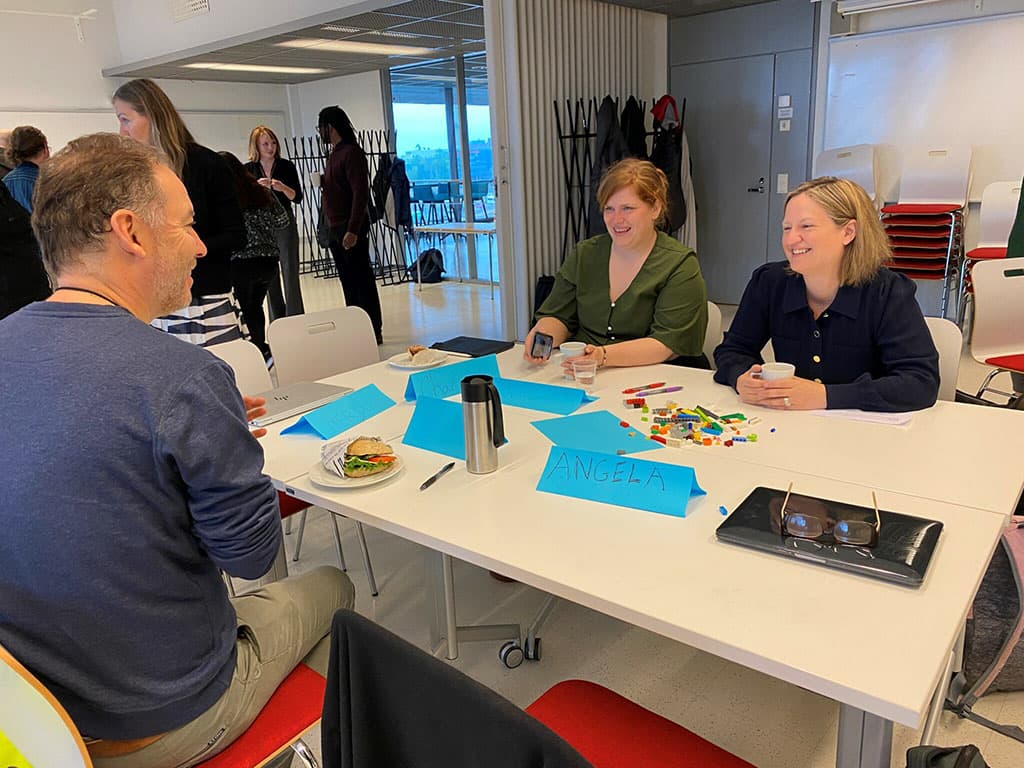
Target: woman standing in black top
146 114
346 194
254 268
280 176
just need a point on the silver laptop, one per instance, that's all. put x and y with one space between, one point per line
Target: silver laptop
293 399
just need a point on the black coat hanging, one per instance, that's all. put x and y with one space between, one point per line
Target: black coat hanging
665 154
609 149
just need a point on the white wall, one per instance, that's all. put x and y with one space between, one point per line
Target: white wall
146 28
953 83
64 94
359 95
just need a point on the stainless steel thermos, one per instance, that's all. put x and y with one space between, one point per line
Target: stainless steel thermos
482 423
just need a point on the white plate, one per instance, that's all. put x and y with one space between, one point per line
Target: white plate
320 475
404 360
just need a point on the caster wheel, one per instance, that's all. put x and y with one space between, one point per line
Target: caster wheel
511 654
532 651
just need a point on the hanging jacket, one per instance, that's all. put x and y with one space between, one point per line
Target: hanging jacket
400 191
633 130
668 134
379 188
609 148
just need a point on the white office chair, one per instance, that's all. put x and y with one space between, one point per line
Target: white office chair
320 344
948 341
35 722
999 203
713 335
997 340
252 377
858 163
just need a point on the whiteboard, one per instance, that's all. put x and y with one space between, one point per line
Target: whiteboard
216 130
957 83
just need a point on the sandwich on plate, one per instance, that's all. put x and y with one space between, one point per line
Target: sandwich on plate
368 456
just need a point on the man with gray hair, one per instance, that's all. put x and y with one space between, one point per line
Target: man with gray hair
133 481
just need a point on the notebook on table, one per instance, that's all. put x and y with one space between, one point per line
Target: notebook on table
293 399
472 346
902 554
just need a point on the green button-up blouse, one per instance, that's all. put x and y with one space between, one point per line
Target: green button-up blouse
667 299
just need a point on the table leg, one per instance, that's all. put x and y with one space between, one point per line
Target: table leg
458 255
444 616
490 260
416 255
865 740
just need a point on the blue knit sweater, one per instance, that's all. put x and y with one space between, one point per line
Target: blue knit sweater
131 480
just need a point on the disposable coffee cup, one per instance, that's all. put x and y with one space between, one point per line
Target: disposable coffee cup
773 371
569 350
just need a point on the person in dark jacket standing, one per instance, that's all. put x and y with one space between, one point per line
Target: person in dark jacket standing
346 192
282 178
254 268
146 114
22 277
28 149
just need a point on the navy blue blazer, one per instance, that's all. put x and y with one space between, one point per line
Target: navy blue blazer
871 348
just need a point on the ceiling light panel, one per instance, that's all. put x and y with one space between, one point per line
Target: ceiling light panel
219 66
355 46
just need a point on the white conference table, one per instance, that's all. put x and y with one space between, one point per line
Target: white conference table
881 656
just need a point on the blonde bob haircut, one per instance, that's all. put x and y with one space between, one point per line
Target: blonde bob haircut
647 180
845 201
167 131
254 142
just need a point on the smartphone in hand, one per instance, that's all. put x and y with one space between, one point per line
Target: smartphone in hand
542 344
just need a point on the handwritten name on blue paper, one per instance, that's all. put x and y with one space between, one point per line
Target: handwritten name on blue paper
446 380
627 482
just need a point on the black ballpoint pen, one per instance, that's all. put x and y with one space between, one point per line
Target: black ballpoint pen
434 477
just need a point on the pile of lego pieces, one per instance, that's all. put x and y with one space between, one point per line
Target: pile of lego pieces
673 426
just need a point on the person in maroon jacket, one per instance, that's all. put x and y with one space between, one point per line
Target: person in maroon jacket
346 193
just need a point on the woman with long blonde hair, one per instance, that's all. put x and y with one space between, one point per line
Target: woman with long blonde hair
146 114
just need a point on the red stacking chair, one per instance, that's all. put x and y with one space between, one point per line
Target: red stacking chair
613 732
926 226
998 209
294 708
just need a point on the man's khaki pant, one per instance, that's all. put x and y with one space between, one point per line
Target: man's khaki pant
279 625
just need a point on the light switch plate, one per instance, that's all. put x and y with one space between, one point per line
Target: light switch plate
782 183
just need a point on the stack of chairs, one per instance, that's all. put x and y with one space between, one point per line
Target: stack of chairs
926 226
999 204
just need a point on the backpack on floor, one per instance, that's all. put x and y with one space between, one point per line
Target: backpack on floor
968 756
428 268
994 641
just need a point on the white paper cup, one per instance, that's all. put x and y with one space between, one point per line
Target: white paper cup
774 371
569 350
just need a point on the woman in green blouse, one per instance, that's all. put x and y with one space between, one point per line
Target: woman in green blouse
635 296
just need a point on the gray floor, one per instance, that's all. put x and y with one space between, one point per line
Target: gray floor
766 722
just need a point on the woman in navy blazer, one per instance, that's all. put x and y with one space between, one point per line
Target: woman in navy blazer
850 326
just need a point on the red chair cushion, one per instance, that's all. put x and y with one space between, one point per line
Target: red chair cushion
922 208
1009 362
976 254
290 505
294 707
612 732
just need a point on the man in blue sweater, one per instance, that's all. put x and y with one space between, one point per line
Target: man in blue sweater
132 481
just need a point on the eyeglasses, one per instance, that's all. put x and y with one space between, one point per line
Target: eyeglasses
806 526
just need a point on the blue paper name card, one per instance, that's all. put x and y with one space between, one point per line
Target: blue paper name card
621 480
597 430
446 380
332 419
